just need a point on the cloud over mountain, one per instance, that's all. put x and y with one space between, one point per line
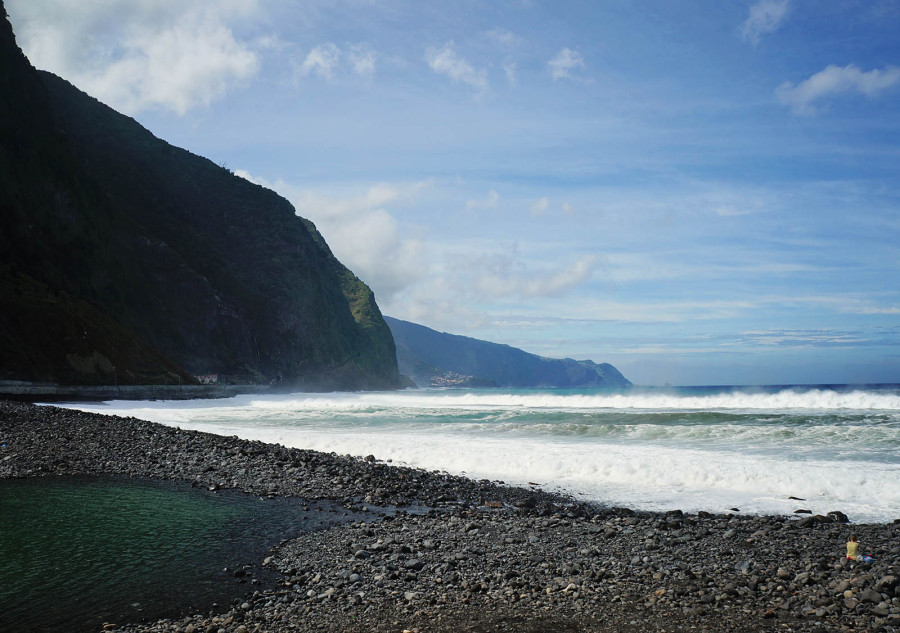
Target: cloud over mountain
139 55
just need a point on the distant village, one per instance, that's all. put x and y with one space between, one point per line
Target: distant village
453 379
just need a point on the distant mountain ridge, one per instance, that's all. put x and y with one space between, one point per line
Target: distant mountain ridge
126 259
432 358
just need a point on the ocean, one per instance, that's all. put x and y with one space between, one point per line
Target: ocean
690 448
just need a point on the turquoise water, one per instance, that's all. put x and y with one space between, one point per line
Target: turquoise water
702 448
78 552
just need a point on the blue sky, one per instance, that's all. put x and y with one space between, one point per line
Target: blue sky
696 192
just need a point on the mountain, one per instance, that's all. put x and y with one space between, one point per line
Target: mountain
432 358
125 258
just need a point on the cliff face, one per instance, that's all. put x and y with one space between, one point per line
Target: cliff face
434 358
115 240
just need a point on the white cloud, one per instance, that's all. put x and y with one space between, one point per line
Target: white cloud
445 61
501 275
509 69
803 338
538 207
505 38
362 59
327 60
243 173
562 280
366 237
657 312
508 42
565 61
731 212
835 80
489 202
135 55
849 304
322 60
438 305
766 16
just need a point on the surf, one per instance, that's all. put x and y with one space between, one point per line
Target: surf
693 449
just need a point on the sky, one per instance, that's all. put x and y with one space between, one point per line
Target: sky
698 192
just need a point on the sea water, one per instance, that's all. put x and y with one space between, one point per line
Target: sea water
77 552
713 449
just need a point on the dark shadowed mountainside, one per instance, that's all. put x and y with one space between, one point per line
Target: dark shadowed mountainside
437 359
124 258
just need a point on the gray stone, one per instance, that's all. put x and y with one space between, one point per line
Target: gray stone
838 517
870 595
886 584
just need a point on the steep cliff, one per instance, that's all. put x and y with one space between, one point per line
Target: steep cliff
115 240
434 358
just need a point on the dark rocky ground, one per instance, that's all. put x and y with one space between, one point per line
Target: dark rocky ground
481 556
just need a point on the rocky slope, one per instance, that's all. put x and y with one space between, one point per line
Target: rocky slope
124 258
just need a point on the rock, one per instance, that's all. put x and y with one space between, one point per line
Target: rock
838 517
414 563
744 567
810 521
870 595
886 584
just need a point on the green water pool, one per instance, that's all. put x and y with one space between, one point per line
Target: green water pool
79 552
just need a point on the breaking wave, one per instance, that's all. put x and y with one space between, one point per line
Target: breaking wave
837 448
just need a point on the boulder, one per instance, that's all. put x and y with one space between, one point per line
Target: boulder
838 517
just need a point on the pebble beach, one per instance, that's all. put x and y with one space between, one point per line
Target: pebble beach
445 553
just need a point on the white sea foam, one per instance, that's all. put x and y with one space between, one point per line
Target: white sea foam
389 403
837 450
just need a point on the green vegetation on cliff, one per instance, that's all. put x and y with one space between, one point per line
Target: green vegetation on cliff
169 265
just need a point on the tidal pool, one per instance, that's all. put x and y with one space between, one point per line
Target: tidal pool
78 552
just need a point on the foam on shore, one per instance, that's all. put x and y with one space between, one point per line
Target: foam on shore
838 450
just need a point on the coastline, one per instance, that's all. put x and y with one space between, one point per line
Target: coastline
479 555
50 392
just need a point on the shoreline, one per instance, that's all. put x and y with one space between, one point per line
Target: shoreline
41 392
482 556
